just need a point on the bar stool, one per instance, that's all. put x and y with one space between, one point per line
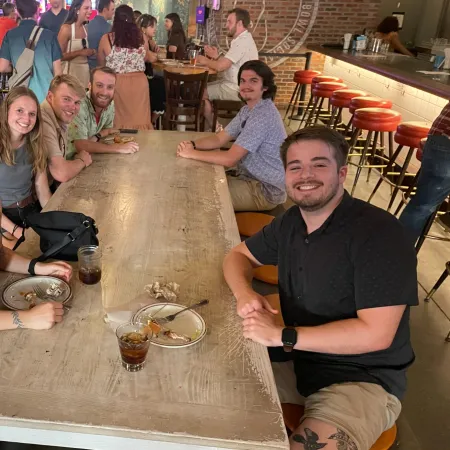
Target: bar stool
339 100
409 134
375 121
320 92
301 78
315 80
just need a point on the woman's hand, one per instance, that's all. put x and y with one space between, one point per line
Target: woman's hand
58 269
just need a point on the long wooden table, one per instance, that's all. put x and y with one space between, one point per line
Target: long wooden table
161 218
184 69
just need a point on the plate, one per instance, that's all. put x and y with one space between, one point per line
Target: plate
190 324
14 295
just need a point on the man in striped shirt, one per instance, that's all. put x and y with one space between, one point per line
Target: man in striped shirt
433 185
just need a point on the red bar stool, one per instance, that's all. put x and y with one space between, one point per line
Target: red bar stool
301 78
409 134
366 102
320 92
375 121
339 100
315 80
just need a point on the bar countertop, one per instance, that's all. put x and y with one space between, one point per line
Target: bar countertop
397 67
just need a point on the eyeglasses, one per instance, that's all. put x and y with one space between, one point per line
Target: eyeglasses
84 43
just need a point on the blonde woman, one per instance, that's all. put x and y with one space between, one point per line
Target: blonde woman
23 162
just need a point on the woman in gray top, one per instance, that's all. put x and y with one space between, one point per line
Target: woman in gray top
23 163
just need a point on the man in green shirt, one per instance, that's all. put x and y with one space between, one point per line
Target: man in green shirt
95 119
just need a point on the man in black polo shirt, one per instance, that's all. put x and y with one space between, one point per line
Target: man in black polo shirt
347 277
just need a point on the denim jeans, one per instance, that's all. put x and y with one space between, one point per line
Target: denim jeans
433 185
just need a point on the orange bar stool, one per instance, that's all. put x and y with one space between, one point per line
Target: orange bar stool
292 415
339 100
316 80
409 134
409 191
320 92
301 78
375 121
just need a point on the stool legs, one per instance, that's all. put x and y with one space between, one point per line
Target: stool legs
319 109
442 278
307 110
373 154
407 193
425 231
362 158
291 103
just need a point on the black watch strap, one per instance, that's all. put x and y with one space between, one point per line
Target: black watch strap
193 145
33 263
98 136
289 338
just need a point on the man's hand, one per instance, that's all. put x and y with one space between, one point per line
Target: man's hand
108 131
58 269
252 301
185 149
260 326
128 147
86 157
202 60
211 52
87 52
43 316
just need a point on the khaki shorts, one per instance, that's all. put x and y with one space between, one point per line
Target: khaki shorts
362 410
218 90
247 195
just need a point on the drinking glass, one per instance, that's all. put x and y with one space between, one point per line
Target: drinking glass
134 343
193 57
89 264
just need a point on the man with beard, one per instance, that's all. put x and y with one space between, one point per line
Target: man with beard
347 278
58 110
96 117
257 181
242 49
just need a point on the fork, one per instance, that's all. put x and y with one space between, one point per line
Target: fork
169 318
40 293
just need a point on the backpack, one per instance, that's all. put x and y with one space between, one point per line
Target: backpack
23 69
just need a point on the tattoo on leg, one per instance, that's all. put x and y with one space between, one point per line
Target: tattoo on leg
16 320
310 441
344 442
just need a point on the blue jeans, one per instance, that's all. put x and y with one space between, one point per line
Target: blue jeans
433 185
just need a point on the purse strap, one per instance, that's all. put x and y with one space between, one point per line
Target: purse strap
55 248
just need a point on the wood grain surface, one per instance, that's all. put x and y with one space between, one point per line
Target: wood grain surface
185 69
161 218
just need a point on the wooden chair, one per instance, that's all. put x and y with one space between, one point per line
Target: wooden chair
4 88
225 109
184 97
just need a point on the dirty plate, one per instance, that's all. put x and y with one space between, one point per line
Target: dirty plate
189 324
14 295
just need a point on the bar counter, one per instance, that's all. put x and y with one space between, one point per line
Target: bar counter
397 67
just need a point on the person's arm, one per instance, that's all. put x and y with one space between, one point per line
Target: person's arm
149 55
5 56
227 158
64 36
397 45
103 47
57 68
220 65
11 227
41 317
63 170
213 141
92 146
42 189
5 66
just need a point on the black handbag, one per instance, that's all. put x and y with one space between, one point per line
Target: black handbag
62 233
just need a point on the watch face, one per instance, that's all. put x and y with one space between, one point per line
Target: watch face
289 336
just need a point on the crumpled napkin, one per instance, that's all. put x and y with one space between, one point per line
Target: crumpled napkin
168 291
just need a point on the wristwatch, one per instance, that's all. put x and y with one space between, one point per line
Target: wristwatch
98 136
193 145
289 338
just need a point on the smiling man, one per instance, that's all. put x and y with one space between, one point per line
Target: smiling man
257 182
96 117
347 278
58 111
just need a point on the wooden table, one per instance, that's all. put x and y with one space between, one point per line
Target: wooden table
160 218
186 69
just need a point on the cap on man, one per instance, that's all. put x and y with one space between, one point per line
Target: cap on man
55 16
9 19
96 117
58 111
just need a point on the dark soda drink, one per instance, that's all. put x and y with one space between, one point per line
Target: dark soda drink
133 348
89 275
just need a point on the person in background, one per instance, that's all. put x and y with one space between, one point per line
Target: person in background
43 316
347 279
433 185
176 38
99 26
54 18
58 111
147 25
96 117
242 49
47 54
125 50
9 19
72 38
388 31
23 163
257 184
136 15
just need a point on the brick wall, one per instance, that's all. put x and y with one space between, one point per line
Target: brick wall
288 26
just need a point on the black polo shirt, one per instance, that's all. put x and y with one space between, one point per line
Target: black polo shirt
359 258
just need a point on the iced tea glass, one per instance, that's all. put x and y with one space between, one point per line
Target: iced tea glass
133 345
89 264
193 57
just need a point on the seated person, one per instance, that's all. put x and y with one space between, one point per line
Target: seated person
23 162
242 49
258 129
388 31
43 316
96 117
58 111
347 279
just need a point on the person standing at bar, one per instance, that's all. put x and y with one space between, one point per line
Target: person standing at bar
176 39
433 185
388 31
54 18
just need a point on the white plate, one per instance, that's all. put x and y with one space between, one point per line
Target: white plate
189 324
14 295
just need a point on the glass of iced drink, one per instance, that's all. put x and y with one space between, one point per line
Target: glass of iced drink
134 341
89 264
